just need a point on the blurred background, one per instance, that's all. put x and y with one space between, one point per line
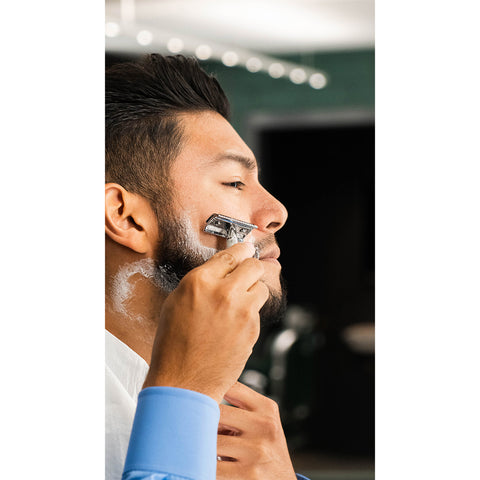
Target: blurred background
300 78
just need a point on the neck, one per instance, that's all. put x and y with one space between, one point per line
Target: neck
133 302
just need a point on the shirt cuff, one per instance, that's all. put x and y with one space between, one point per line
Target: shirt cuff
174 432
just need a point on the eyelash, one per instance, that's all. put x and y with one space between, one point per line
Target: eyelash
236 185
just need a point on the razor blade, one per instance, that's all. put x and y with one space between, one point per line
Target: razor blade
230 228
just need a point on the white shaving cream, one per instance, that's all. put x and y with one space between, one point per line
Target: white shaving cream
163 279
122 282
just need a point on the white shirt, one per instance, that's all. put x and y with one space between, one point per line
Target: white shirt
125 372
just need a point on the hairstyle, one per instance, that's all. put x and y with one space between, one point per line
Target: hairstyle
143 134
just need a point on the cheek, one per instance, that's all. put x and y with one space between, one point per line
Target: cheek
197 205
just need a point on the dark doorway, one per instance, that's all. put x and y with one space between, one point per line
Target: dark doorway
323 169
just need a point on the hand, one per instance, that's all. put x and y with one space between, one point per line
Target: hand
209 324
251 439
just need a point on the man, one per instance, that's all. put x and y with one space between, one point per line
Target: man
182 311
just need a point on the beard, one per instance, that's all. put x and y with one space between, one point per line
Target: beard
180 251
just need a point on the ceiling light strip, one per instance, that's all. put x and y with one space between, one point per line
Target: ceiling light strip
135 38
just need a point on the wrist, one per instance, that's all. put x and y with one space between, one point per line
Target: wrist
214 393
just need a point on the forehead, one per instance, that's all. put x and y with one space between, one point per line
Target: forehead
208 137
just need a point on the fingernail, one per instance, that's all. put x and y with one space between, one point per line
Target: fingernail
252 247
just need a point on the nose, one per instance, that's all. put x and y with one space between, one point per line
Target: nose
269 214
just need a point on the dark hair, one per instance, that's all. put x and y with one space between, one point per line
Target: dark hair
143 134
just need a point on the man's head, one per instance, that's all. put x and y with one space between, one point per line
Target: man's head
173 160
143 134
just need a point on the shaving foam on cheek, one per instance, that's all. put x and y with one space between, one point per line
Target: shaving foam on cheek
160 275
123 283
191 242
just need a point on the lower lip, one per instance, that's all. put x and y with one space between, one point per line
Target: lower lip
271 260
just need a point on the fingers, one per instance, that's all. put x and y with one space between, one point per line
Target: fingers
235 421
231 447
247 278
245 398
229 471
246 274
253 444
224 262
259 294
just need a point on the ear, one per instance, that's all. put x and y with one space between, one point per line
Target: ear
130 220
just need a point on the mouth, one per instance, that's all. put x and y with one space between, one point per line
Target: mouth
271 255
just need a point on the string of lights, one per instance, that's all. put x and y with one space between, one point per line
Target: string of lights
130 37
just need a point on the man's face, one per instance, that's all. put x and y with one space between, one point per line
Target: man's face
217 173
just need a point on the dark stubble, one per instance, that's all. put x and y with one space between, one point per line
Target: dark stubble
180 252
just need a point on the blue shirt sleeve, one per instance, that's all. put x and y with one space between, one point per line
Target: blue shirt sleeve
174 436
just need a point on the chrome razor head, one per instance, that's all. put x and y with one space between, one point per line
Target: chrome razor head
230 228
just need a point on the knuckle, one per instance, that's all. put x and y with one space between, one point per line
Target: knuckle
226 257
271 428
272 407
197 275
262 451
193 283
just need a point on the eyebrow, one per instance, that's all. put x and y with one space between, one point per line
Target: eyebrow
246 162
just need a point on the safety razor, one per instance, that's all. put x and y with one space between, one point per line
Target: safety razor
230 228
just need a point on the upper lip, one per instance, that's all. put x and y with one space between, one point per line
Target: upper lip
273 252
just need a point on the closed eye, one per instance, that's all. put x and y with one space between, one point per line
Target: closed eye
237 185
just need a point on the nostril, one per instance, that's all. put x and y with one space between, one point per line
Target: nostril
273 225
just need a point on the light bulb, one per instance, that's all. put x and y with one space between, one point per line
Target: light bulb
230 58
144 37
203 52
317 80
112 29
254 64
175 45
276 70
298 75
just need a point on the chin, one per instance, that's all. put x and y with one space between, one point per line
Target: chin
274 309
